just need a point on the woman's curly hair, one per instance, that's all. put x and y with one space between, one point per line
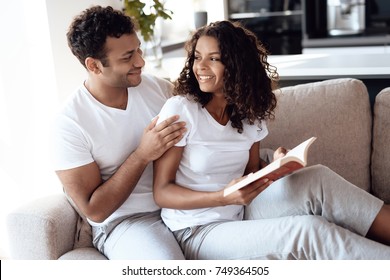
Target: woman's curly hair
249 80
88 32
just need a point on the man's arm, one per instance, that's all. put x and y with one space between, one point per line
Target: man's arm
97 200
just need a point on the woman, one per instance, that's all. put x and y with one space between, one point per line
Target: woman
224 94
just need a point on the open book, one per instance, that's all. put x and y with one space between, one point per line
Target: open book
293 160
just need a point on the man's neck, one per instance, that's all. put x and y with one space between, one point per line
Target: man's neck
109 96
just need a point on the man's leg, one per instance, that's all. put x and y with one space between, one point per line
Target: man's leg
139 237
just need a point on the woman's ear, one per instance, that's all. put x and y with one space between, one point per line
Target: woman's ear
92 65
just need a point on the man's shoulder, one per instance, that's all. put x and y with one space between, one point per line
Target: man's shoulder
149 79
76 105
158 85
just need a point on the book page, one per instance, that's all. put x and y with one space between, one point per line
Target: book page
293 160
299 153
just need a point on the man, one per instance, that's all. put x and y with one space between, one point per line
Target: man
106 138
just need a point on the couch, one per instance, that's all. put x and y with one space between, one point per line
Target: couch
352 139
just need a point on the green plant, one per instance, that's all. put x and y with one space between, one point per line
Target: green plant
145 22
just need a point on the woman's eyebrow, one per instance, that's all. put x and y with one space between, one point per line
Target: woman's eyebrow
211 53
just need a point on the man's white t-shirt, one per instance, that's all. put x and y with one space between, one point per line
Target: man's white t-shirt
214 154
87 130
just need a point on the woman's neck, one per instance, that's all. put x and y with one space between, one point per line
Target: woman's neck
217 107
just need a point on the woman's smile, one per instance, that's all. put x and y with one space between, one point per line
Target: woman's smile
205 78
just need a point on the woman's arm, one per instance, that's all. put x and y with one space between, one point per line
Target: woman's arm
168 194
254 163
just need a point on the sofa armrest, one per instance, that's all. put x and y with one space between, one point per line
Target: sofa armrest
380 162
42 229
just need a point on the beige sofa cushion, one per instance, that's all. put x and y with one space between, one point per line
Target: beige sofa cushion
338 112
381 146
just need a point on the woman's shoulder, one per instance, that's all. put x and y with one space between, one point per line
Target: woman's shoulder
185 101
180 105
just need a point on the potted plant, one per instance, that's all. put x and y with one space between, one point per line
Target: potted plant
146 14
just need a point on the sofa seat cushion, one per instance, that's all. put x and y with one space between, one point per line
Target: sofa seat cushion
338 113
87 253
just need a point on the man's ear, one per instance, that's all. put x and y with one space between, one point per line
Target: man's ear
93 65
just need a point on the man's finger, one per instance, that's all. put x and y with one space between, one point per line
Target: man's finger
166 122
153 123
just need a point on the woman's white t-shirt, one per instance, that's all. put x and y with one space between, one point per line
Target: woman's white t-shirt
214 154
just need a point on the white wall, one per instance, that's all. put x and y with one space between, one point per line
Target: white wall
68 70
37 72
27 95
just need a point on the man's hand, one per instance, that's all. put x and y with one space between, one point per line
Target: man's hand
157 139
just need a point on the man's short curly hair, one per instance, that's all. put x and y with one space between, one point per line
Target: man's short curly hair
88 32
249 79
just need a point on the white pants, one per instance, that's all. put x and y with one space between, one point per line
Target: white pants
138 237
312 214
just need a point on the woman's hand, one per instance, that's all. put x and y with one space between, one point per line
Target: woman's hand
245 195
279 153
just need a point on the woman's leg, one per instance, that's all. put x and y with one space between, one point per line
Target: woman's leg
319 191
294 237
380 228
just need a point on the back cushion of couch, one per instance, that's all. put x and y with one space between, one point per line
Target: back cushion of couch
381 146
338 113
